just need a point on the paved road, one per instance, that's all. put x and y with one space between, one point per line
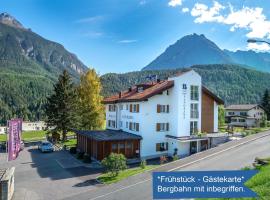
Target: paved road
229 156
49 176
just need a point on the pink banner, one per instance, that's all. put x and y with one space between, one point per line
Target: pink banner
14 138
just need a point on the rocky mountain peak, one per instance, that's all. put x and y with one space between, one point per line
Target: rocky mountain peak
7 19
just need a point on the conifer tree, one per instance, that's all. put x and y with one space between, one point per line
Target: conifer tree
61 106
265 103
91 109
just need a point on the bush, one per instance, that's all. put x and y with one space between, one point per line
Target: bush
73 150
143 164
175 157
114 163
80 155
86 158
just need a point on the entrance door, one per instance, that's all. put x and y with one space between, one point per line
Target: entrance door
204 145
121 147
129 149
193 147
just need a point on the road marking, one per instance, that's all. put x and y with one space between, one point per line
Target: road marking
211 155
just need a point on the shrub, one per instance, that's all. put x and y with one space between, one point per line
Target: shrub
80 155
143 164
114 163
175 157
73 150
86 158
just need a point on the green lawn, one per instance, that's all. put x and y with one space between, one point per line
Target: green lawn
245 132
70 142
107 179
28 136
260 184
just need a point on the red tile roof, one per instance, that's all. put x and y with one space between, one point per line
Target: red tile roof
150 89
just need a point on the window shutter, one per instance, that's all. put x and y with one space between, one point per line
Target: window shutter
138 108
137 126
158 108
167 127
158 127
158 147
168 108
130 107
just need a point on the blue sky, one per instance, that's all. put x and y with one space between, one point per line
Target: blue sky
125 35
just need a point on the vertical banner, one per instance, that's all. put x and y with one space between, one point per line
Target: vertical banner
14 138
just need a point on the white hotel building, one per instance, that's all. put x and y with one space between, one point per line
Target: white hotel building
164 116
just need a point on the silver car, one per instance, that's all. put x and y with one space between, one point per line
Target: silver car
46 147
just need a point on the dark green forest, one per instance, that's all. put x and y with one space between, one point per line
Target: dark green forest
233 83
23 94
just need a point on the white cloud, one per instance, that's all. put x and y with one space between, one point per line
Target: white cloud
259 47
93 34
174 3
251 19
185 10
127 41
205 14
90 19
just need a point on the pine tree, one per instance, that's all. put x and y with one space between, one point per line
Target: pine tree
265 103
61 106
91 110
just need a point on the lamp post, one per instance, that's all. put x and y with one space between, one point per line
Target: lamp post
257 41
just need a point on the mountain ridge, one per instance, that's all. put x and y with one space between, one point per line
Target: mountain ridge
196 49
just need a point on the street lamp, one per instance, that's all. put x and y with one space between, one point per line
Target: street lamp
256 41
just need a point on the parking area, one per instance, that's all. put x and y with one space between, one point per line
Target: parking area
50 175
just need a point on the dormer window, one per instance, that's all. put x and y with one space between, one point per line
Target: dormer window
140 89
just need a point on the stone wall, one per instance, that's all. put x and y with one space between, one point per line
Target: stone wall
7 184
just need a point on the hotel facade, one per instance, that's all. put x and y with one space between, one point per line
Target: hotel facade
168 117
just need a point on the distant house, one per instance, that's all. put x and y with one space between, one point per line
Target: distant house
3 130
33 126
245 115
161 117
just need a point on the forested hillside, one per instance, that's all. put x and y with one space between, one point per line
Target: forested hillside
232 83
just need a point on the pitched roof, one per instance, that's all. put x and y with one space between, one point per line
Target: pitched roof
109 135
150 89
241 107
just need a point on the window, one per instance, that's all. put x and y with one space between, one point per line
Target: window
194 111
163 108
111 123
121 107
112 108
126 106
233 120
231 113
133 126
129 145
140 89
126 124
193 127
134 108
121 124
161 127
243 113
242 120
194 92
162 146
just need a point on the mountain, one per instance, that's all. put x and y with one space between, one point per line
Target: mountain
29 65
258 60
233 83
190 50
197 50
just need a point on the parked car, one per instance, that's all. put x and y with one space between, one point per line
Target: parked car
46 147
